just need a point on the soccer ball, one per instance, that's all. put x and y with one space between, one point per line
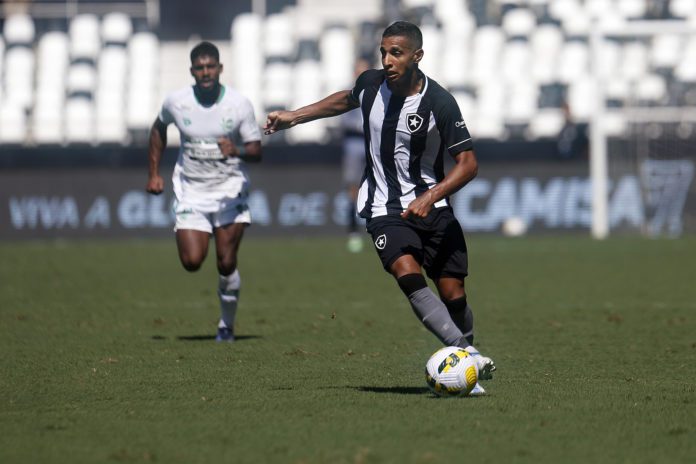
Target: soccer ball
451 371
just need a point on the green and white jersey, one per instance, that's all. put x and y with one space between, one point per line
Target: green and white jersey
200 159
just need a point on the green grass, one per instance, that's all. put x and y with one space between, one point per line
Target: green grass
106 356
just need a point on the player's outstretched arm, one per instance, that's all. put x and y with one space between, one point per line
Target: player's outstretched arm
333 105
157 143
462 173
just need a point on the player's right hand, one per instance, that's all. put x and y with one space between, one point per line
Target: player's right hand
277 120
155 185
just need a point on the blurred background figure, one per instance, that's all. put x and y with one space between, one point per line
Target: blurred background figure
353 162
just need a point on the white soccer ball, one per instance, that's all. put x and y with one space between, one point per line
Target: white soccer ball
451 371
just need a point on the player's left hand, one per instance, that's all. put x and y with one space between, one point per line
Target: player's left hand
227 147
420 207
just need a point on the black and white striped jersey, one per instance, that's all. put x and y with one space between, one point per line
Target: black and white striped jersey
405 138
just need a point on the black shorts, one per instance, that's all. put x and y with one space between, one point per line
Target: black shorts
436 242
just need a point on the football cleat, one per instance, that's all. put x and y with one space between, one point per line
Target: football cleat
478 390
224 334
486 366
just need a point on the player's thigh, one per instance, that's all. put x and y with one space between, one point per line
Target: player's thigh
445 251
393 238
193 247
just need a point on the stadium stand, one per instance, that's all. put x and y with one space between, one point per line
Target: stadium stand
511 64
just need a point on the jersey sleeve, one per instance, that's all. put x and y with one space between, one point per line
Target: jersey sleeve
366 79
452 127
165 114
248 128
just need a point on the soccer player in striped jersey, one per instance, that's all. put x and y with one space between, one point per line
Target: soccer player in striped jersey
409 122
219 134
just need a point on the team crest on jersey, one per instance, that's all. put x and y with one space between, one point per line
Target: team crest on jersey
414 121
227 124
381 242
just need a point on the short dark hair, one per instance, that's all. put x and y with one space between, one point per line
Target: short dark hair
405 29
205 49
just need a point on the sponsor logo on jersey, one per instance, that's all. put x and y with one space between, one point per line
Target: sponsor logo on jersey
187 122
460 123
413 122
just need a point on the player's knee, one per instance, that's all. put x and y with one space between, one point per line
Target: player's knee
190 263
226 266
456 305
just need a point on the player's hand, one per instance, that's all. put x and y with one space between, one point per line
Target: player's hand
227 147
420 207
277 120
155 185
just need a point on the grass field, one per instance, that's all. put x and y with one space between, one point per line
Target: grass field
107 356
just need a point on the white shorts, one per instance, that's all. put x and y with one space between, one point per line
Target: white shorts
200 207
232 212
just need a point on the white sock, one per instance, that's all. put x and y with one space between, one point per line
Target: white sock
228 292
472 350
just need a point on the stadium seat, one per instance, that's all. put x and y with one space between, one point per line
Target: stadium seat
116 28
488 42
651 89
85 41
337 69
666 51
51 74
79 120
596 8
617 91
515 59
13 124
2 56
577 24
246 72
573 61
19 76
632 9
519 22
546 42
277 85
457 71
19 30
487 127
682 8
634 61
562 10
614 124
306 89
521 102
609 60
142 105
47 123
582 97
279 36
432 42
466 102
82 79
546 123
454 15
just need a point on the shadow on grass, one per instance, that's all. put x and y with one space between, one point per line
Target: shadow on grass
203 338
392 390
